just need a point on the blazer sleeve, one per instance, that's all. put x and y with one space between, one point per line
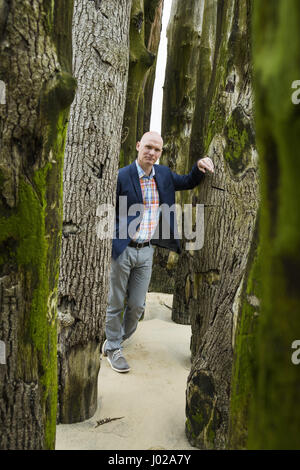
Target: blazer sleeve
182 182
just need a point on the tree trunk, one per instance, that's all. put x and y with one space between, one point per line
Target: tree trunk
141 59
37 90
275 412
101 50
243 373
183 34
210 280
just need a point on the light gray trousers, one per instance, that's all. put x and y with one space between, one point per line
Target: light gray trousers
129 278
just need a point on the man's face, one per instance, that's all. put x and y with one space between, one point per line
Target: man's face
149 149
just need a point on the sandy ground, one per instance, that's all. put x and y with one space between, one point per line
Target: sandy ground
150 398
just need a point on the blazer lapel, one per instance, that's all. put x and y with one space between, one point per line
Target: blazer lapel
158 179
136 182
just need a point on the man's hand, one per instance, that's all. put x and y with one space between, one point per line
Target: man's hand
205 164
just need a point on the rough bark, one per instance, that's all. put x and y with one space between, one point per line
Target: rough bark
184 32
101 57
275 413
243 373
141 60
37 90
208 282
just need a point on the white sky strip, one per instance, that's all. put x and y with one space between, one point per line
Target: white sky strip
157 100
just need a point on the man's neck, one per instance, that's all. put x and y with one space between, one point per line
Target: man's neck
147 168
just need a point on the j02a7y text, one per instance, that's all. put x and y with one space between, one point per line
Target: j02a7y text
164 459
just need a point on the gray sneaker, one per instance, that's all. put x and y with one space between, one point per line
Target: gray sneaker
117 360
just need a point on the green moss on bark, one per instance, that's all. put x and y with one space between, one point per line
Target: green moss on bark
243 374
31 220
58 17
275 415
203 417
239 140
33 232
37 338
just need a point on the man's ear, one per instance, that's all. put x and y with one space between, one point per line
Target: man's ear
138 146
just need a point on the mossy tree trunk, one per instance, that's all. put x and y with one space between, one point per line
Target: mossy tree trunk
37 90
208 283
243 373
275 413
142 57
101 59
184 33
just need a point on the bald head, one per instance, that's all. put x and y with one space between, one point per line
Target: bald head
149 150
152 135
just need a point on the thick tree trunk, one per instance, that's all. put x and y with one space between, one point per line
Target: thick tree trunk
243 373
275 416
37 90
141 60
101 57
213 276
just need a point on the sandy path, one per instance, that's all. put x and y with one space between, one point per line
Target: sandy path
151 397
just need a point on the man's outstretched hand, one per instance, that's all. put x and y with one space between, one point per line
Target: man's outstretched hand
205 164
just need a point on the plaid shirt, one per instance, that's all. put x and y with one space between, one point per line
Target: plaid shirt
151 205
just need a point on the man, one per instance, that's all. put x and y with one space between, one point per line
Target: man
146 187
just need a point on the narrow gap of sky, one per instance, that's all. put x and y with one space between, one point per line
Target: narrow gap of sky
157 100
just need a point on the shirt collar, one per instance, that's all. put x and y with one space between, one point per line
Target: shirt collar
141 172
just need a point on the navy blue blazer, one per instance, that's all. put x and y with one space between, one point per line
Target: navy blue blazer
128 184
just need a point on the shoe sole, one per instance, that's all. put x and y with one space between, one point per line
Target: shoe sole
114 368
103 349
